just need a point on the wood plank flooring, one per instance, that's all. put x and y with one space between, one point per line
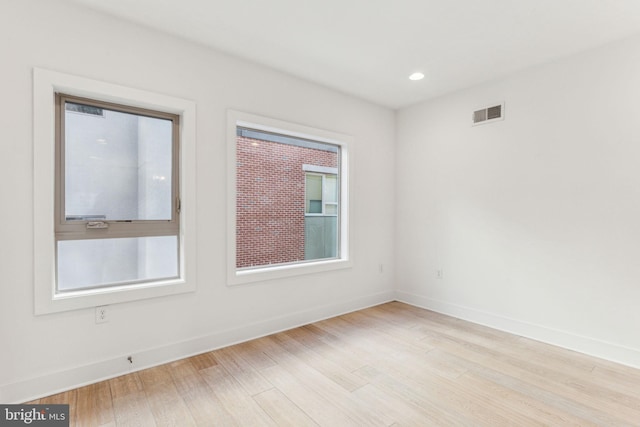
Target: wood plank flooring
390 365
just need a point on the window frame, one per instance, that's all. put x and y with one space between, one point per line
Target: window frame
48 299
238 276
77 229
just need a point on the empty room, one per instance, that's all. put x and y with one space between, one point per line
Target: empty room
336 213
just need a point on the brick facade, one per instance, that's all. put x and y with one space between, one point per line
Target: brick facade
270 186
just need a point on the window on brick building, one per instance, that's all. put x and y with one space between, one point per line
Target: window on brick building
289 199
321 194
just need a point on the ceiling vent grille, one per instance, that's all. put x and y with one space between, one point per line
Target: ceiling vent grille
488 114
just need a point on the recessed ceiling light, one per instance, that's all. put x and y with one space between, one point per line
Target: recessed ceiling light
416 76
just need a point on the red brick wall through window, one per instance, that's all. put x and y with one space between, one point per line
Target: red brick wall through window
270 185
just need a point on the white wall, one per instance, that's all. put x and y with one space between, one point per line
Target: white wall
43 354
534 220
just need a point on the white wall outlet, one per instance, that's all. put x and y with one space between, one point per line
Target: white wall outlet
101 314
440 273
381 268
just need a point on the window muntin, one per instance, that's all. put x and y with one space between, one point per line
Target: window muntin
116 195
276 196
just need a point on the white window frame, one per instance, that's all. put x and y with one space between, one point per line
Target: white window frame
237 276
46 84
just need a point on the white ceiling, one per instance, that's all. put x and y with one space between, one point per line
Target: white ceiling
368 48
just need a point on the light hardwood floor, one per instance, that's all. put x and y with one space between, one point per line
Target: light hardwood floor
390 365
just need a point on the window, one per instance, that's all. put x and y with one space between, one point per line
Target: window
321 194
289 198
114 185
117 194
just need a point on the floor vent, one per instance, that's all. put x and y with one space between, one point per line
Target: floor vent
488 114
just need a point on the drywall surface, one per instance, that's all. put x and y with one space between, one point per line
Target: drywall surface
532 221
43 354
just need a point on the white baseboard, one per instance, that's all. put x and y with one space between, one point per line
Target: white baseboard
56 382
587 345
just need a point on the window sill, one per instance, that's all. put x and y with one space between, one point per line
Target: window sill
74 300
260 274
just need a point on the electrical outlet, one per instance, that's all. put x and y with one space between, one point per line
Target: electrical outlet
101 314
440 273
381 268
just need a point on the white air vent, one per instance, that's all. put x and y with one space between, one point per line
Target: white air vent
488 114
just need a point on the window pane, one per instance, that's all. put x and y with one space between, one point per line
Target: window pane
331 209
274 194
99 262
331 189
117 165
313 197
315 206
